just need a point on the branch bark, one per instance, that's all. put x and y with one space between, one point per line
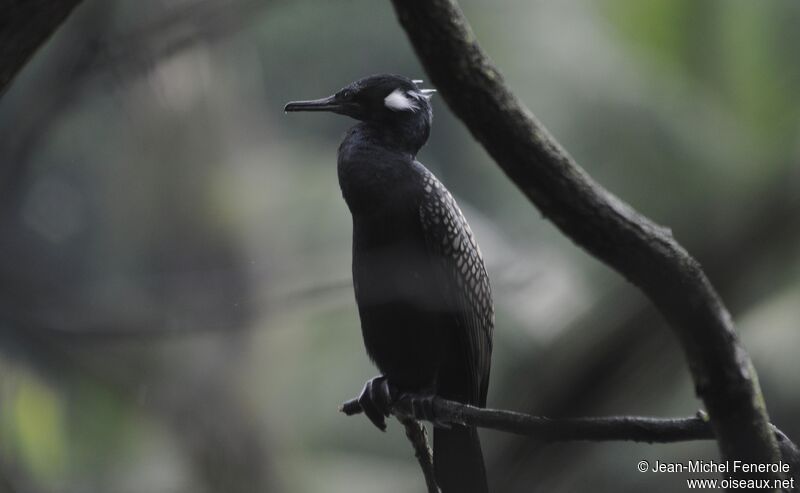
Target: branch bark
24 27
642 251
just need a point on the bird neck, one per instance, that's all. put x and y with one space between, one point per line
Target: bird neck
406 134
376 163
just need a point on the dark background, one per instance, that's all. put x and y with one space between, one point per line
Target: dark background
176 312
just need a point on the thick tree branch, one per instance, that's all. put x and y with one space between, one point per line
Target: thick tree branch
595 429
24 27
642 251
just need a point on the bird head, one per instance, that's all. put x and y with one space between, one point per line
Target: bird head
380 98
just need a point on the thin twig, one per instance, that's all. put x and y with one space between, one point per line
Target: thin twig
415 431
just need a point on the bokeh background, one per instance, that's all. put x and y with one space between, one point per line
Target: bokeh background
176 310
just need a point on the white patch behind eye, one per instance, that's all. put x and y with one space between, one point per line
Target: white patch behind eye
398 101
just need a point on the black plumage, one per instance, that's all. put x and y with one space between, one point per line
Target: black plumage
421 286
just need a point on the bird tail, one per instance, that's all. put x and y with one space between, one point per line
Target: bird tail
458 460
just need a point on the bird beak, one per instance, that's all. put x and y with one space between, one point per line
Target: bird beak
324 104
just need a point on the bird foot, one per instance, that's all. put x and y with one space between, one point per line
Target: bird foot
376 400
422 408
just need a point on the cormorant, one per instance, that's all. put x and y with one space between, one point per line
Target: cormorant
421 286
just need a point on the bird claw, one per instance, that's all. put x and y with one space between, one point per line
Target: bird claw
422 409
376 400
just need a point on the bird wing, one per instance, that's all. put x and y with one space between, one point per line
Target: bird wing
465 283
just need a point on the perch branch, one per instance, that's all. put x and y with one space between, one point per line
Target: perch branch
642 251
612 428
595 429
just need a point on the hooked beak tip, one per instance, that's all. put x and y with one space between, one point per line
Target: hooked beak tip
324 104
291 106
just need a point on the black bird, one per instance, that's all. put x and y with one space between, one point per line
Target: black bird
420 283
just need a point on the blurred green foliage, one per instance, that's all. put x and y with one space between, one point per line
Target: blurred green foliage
37 427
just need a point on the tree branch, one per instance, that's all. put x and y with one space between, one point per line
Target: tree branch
24 27
601 429
642 251
418 437
612 428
